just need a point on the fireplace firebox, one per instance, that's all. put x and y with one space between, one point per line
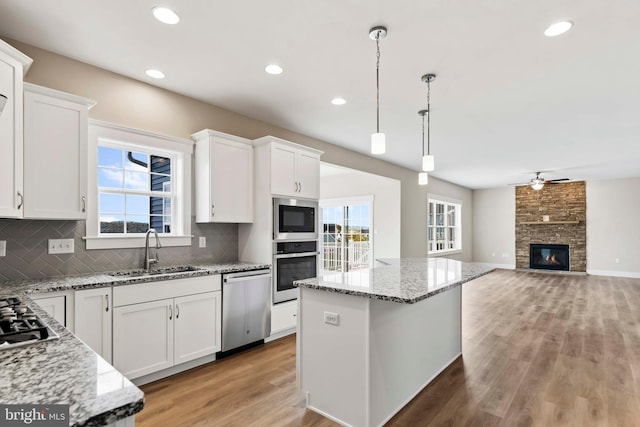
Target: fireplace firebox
549 257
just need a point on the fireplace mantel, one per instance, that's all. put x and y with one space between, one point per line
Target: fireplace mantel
548 222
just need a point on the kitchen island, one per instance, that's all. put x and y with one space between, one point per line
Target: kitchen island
370 340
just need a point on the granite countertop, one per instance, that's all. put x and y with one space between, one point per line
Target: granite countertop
67 371
404 280
119 278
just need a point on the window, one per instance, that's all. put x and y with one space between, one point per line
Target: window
444 235
133 190
346 234
137 181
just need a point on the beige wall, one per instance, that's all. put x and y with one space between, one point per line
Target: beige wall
494 232
387 218
139 105
613 228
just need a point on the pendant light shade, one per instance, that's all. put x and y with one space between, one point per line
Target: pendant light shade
378 144
428 163
423 178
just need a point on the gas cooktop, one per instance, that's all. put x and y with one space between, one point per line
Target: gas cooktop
20 325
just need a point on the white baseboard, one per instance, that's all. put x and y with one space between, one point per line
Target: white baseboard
331 417
613 273
155 376
280 334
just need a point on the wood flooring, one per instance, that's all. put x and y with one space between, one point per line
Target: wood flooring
539 349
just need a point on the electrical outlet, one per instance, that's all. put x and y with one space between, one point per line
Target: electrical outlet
617 260
60 246
3 248
331 318
202 242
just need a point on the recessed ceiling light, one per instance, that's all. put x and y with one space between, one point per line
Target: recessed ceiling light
273 69
156 74
165 15
558 28
338 101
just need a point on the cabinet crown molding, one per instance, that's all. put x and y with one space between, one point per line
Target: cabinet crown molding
30 87
206 133
268 139
17 55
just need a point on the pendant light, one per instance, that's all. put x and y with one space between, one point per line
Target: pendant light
378 145
428 161
423 177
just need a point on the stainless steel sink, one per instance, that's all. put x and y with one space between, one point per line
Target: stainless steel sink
155 272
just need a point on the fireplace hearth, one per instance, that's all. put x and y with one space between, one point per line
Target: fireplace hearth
549 257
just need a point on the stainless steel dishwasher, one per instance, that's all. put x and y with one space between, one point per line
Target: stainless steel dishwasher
246 308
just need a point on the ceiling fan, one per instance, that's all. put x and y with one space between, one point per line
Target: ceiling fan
537 183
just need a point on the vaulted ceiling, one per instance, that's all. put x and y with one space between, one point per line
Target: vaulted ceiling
507 101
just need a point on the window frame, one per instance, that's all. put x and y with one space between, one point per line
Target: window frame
178 149
446 201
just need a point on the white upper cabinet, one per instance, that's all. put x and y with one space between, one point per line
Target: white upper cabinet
55 154
224 177
13 66
295 169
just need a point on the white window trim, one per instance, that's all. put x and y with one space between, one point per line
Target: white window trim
99 130
439 198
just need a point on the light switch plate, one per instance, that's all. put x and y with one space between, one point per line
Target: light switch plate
61 246
3 248
202 242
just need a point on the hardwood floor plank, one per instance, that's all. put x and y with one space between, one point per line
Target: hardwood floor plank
538 350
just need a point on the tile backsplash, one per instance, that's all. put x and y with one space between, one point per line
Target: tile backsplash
27 256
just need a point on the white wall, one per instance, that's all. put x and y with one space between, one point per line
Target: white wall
613 227
338 182
494 226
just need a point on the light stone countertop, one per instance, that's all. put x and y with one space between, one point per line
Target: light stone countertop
404 280
67 371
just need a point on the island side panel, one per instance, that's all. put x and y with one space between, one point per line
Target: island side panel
333 359
410 345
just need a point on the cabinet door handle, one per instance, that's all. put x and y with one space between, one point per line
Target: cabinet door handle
106 299
213 210
84 204
177 311
21 200
300 184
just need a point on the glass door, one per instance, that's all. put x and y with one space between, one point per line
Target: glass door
346 239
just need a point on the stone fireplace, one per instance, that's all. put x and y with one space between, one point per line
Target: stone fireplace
549 219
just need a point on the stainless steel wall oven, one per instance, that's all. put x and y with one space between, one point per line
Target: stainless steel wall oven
292 261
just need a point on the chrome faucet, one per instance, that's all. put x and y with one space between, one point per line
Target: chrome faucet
147 260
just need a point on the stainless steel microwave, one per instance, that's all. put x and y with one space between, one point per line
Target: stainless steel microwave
295 219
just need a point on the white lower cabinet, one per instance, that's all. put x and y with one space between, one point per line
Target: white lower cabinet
54 306
92 311
143 338
196 316
284 317
184 325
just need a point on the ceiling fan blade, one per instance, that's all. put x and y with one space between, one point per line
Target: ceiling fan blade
557 180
